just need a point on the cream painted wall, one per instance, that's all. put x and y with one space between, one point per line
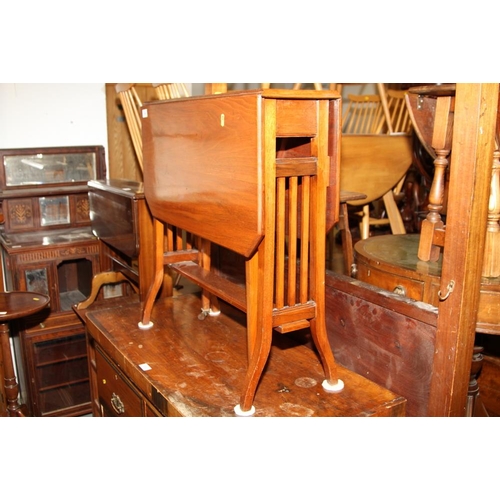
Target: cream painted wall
52 114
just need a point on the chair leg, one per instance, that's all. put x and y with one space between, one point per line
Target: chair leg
347 246
364 225
209 302
393 214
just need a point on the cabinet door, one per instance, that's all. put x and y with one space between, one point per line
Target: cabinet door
59 374
39 279
66 282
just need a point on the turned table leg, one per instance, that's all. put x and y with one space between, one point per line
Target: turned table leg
14 305
10 381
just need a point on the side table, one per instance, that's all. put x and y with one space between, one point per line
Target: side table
15 305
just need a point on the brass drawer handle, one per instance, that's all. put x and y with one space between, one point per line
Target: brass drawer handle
400 290
117 404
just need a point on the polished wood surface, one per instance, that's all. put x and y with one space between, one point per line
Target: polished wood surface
123 223
48 248
373 164
470 178
281 150
195 368
226 213
376 153
114 204
433 115
472 143
391 262
15 305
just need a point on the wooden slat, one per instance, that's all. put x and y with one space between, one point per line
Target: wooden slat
304 239
286 167
279 272
292 240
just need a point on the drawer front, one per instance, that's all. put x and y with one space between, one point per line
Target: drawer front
116 397
407 287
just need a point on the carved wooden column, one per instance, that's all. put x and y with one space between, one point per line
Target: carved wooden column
432 236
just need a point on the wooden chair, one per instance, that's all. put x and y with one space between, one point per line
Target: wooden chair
170 90
432 113
366 117
131 107
282 150
399 117
373 164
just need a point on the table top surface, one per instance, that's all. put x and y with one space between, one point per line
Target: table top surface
19 242
438 90
198 367
15 305
399 251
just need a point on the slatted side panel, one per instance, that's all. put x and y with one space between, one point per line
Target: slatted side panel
293 216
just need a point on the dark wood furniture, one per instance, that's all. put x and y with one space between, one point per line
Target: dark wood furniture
122 222
391 262
384 337
14 305
472 144
255 172
186 367
48 248
432 111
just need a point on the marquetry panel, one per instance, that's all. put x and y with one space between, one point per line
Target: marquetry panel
20 213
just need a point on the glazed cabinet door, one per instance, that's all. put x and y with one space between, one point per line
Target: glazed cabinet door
58 373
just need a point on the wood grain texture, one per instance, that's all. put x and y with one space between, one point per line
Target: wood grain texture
470 177
387 339
197 367
222 174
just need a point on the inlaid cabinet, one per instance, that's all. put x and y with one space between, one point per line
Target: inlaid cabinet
48 247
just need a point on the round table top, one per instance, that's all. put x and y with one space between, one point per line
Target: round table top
438 90
399 251
15 305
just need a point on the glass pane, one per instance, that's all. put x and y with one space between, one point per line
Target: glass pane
54 210
36 281
62 375
22 170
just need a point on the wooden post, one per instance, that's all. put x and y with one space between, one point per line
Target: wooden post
470 176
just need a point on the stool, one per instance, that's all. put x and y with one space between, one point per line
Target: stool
14 305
